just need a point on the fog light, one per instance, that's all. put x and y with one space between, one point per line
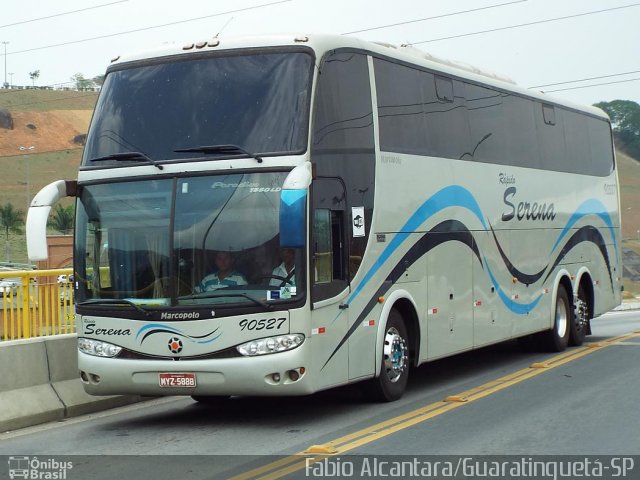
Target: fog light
276 377
293 375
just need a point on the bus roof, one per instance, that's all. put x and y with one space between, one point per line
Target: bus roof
322 43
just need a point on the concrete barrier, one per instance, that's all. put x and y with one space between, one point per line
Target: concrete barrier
40 383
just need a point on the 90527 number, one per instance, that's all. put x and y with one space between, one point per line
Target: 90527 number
262 324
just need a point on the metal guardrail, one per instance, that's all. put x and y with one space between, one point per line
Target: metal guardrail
33 304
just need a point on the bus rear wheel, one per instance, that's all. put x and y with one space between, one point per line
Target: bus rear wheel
394 368
581 318
557 339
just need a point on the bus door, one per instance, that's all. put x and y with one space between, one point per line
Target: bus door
450 315
329 284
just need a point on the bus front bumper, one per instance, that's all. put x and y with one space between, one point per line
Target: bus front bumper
284 373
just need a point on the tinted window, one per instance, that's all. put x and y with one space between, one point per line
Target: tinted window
486 124
426 114
521 140
601 149
400 108
420 113
258 102
444 89
549 114
578 153
447 124
550 141
343 150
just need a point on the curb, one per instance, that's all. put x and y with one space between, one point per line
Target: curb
40 383
635 305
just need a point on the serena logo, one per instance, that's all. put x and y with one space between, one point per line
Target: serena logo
526 210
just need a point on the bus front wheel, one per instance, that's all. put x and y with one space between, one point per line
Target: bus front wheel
394 368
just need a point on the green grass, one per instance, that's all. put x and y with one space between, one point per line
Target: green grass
45 100
44 168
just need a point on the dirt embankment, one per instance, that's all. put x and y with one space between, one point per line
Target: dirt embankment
45 131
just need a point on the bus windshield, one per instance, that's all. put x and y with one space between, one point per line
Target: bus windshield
211 240
166 108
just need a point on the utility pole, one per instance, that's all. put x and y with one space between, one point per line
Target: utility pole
26 159
5 63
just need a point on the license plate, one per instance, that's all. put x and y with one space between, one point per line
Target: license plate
177 380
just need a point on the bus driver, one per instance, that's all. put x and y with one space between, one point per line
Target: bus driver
225 276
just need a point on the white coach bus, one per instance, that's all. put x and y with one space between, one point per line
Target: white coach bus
282 215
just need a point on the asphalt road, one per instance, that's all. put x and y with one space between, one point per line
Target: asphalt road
581 402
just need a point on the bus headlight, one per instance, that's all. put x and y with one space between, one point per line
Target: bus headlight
264 346
98 348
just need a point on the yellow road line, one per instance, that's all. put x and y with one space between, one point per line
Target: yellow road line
341 445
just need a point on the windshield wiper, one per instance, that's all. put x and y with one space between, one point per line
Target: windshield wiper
128 156
215 294
114 301
221 149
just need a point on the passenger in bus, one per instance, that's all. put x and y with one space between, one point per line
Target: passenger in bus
285 272
225 276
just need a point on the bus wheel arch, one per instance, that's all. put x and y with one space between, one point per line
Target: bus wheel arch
407 310
396 347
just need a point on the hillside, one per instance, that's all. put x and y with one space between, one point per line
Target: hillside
48 121
56 117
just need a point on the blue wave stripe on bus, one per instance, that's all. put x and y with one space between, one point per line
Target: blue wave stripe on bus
518 308
426 244
589 207
451 196
154 328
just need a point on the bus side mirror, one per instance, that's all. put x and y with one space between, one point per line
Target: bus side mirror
38 215
293 202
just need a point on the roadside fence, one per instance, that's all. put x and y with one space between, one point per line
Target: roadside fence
35 303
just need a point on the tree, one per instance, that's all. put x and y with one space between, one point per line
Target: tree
81 82
98 80
62 219
34 76
11 220
625 120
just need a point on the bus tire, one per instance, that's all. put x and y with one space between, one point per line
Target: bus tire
557 339
581 318
394 369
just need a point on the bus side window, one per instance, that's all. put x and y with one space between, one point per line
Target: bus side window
328 239
327 246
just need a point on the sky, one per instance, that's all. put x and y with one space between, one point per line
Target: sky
534 42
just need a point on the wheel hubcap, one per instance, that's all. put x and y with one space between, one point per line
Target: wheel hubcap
395 354
581 313
561 318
